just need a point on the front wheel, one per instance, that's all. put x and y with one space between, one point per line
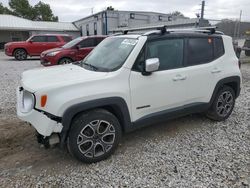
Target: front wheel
20 54
64 61
223 104
94 136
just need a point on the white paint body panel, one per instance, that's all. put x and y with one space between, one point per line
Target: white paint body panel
70 84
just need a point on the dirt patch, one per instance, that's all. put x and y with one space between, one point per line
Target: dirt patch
18 148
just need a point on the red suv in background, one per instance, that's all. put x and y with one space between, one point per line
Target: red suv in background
35 45
75 50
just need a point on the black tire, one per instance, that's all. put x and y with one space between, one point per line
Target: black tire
222 105
20 54
94 136
64 61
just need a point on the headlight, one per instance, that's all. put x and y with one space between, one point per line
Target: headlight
28 102
52 53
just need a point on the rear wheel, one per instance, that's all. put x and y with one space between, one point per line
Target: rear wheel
94 136
223 104
20 54
64 61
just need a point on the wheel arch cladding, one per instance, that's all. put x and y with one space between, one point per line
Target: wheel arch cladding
233 82
21 48
115 105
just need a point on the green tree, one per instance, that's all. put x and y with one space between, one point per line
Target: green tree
44 12
177 13
110 8
4 10
22 8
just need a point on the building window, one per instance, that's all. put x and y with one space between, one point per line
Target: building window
87 29
160 18
132 15
95 28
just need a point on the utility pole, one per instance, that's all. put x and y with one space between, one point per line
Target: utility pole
202 9
238 33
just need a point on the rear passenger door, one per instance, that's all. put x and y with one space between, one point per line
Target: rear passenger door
203 69
53 42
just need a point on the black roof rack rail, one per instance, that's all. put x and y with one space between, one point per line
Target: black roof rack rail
208 30
163 29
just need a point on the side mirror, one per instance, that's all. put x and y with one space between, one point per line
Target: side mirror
152 65
30 41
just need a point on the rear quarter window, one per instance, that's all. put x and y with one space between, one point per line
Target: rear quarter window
218 48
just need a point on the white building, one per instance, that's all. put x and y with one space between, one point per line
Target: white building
14 28
105 22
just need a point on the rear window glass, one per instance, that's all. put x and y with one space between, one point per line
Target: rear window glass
66 38
52 39
200 51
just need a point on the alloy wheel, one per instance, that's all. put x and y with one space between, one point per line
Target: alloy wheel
20 54
96 138
224 104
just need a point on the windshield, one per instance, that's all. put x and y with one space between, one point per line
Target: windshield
109 55
72 43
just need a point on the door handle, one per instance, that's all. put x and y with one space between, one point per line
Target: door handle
216 70
179 77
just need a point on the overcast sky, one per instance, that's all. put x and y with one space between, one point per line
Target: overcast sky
71 10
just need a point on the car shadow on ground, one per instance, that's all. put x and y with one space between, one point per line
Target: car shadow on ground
22 150
28 59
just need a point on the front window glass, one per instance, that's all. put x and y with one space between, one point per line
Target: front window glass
169 52
110 54
90 42
72 43
38 39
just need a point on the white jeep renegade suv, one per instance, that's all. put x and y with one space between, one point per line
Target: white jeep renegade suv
127 82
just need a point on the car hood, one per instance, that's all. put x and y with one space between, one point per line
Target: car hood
58 76
52 50
15 43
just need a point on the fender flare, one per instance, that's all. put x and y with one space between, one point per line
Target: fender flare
227 81
118 105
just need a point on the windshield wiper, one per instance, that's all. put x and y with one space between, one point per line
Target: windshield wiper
91 66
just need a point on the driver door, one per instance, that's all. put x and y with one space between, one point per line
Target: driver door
37 44
161 90
84 48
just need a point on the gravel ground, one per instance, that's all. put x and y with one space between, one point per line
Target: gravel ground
188 152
